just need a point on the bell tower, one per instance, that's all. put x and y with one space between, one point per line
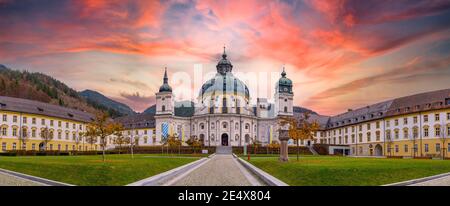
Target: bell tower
164 98
284 96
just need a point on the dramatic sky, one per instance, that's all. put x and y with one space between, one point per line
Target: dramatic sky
339 53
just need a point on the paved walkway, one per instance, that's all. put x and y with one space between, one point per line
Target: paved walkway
9 180
220 170
442 181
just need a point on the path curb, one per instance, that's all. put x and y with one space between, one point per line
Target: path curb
40 180
264 176
162 178
419 180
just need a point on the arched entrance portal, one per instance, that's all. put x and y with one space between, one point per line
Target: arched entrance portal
224 139
378 150
42 146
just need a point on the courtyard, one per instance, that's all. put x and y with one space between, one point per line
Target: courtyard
347 171
89 170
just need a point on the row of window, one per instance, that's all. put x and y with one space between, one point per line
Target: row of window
136 132
224 126
136 140
388 124
415 148
437 132
437 117
43 121
33 133
34 146
360 128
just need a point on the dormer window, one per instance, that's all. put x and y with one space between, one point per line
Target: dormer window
417 107
40 109
398 110
407 109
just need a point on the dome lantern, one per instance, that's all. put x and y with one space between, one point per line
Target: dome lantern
224 66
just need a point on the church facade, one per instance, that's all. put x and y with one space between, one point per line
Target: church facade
222 114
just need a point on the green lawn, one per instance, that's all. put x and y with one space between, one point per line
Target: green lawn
90 170
328 170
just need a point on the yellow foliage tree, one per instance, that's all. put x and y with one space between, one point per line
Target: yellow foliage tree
101 127
301 129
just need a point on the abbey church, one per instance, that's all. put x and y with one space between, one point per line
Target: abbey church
223 114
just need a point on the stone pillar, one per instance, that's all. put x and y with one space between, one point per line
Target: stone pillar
284 138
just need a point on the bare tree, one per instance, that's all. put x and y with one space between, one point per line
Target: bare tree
78 140
255 145
46 136
90 135
119 138
134 141
443 137
389 142
413 135
24 136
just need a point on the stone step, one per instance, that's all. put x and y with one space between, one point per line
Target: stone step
313 151
224 150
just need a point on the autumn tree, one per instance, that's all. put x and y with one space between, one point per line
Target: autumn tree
301 129
173 141
102 127
273 145
194 142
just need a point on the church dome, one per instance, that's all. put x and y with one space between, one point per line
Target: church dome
224 83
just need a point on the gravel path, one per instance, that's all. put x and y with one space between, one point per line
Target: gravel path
9 180
221 170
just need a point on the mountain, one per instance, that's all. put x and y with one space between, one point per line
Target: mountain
303 110
44 88
150 110
96 98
